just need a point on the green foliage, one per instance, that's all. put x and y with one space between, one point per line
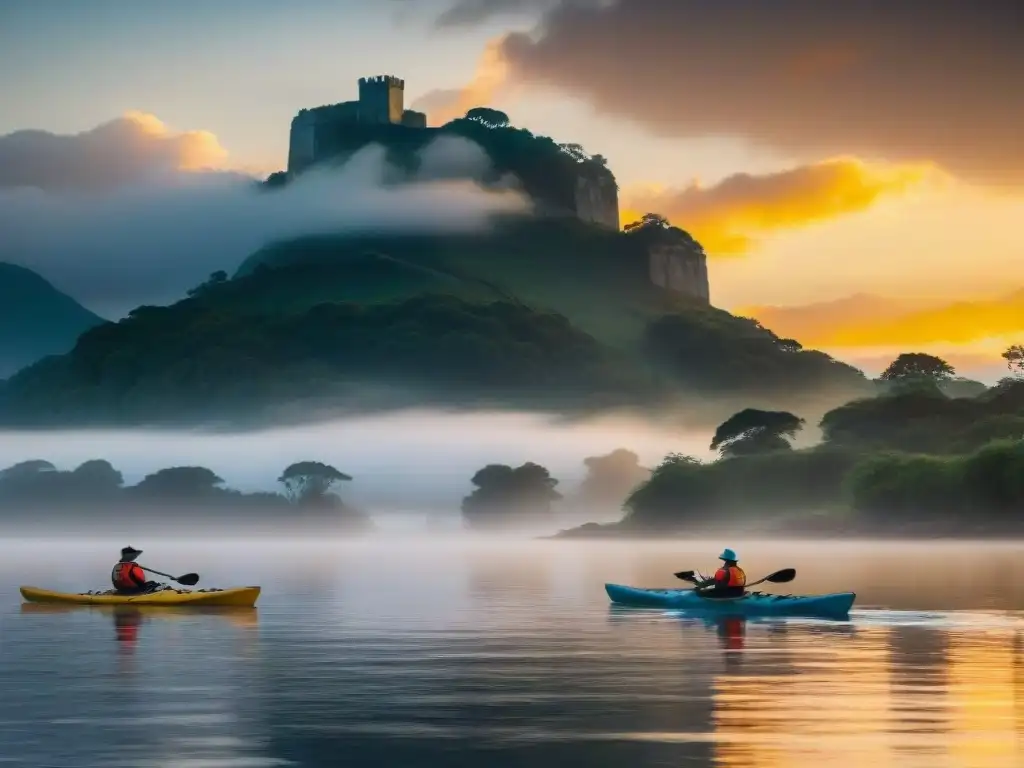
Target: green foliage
897 461
683 492
712 352
988 482
1014 357
191 489
924 420
179 483
192 360
39 480
506 495
913 367
306 482
492 118
754 431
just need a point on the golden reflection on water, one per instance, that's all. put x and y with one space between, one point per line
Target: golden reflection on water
984 697
870 701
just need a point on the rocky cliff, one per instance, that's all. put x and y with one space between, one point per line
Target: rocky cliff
597 200
681 267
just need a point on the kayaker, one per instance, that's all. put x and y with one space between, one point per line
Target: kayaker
128 576
728 581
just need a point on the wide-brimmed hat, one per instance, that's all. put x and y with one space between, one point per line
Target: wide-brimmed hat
130 552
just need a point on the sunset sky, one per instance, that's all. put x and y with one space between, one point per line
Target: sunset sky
863 157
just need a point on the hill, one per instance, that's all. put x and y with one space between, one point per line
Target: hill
596 277
553 315
36 319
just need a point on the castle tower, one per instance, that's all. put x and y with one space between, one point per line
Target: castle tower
381 99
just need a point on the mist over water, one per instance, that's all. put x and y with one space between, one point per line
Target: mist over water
403 464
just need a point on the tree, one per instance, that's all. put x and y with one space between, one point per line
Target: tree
216 278
918 367
648 221
492 118
753 431
180 483
308 482
1014 357
611 478
502 493
96 477
576 152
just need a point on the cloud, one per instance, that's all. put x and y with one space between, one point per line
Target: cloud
130 149
489 82
468 12
728 216
865 321
902 81
147 240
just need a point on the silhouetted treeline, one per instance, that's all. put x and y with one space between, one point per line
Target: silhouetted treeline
307 488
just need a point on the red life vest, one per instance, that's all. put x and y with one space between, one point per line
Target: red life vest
127 576
733 576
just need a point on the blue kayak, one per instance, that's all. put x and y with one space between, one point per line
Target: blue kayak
751 604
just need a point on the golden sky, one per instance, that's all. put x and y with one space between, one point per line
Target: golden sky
818 150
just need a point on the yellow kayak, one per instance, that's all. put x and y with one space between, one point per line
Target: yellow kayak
235 596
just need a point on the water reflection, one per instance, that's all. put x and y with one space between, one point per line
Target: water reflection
510 655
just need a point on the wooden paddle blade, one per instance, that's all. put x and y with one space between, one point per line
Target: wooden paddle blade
781 577
189 579
685 576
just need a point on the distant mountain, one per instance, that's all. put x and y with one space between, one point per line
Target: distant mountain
36 319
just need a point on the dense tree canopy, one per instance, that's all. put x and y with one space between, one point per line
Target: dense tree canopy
307 482
492 118
505 496
192 361
714 352
755 431
917 367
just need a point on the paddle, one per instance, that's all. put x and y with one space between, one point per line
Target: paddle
779 577
189 579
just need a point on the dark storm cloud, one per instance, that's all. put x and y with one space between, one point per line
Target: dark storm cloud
901 80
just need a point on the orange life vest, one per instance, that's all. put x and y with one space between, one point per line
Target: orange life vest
127 576
733 576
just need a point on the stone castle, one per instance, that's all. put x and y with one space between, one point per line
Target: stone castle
324 132
321 133
381 102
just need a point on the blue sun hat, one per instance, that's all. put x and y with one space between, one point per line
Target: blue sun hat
728 554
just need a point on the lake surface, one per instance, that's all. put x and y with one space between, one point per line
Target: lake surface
508 654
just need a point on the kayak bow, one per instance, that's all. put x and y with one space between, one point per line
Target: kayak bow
837 604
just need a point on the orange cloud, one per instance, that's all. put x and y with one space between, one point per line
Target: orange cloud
125 150
489 82
728 217
872 322
186 151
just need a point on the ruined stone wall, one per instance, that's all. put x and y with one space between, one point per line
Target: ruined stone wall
597 201
680 268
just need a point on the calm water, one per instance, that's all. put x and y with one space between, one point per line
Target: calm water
473 654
